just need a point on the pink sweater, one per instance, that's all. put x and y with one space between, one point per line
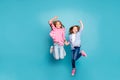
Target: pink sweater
58 35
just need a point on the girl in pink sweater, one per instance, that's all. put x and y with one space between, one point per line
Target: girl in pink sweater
58 35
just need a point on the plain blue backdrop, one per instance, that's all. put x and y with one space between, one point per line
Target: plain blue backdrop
25 41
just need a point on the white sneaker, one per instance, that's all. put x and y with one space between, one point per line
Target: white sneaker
51 49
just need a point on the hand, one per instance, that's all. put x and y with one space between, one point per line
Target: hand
81 22
67 43
55 17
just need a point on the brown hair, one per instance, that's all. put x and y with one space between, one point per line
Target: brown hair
54 23
71 28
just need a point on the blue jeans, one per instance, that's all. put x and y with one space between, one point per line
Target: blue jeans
75 55
58 51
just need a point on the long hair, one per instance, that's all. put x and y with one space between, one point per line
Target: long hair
71 28
54 23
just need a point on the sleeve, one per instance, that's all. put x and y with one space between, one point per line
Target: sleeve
79 32
52 35
70 39
64 34
51 25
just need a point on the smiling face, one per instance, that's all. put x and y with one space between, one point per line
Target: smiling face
58 25
75 29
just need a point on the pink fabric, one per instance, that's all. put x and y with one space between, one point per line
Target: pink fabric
58 35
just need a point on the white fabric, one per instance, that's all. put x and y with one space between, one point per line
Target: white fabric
73 38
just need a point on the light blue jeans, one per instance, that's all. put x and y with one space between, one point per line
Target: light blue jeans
58 51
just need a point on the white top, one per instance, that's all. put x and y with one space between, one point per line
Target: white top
73 38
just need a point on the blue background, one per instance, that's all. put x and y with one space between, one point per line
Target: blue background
25 41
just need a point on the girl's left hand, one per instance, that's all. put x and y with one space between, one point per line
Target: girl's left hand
67 43
80 21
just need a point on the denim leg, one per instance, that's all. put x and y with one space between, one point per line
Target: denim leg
56 52
78 56
73 59
77 53
62 52
73 63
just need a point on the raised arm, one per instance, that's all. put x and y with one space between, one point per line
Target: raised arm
53 19
51 22
81 25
